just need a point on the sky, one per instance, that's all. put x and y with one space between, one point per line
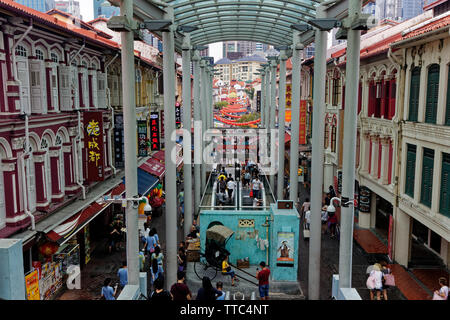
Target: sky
87 11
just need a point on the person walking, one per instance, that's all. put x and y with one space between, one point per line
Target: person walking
376 279
158 256
182 259
226 270
179 290
305 207
207 292
156 271
307 219
154 233
219 287
256 188
150 244
230 188
159 294
324 219
108 292
386 271
263 280
331 192
247 178
123 275
332 221
442 293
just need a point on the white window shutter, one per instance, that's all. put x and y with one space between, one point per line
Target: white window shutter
101 90
94 89
24 77
74 86
31 183
54 84
36 87
65 88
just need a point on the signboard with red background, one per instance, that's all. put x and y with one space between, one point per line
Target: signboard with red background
302 126
93 144
154 131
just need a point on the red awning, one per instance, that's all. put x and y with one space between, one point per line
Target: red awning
72 225
160 155
154 167
287 137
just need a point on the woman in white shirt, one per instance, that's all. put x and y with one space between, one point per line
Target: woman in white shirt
443 292
376 272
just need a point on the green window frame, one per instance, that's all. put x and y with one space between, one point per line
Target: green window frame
410 169
432 94
427 177
444 201
414 94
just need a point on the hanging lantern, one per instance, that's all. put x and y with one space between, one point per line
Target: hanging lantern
48 249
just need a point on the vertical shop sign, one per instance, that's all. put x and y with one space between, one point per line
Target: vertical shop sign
364 199
87 245
154 131
339 182
118 141
258 101
162 125
302 126
178 114
93 144
287 117
142 138
32 285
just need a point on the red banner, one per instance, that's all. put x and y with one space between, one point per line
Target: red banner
390 240
302 127
93 145
154 131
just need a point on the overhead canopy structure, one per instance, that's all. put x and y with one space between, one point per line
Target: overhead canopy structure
266 21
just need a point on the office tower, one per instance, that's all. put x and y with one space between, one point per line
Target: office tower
105 10
39 5
412 8
69 6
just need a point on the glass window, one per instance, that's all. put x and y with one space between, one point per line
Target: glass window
39 54
54 57
21 51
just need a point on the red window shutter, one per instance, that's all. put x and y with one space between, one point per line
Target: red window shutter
359 98
372 97
370 155
383 99
392 93
386 88
358 146
390 162
379 159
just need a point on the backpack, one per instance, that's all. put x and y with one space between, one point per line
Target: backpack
370 283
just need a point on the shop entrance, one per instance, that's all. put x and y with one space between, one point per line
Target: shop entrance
425 247
384 210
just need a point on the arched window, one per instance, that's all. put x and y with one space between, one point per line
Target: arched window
54 57
39 54
21 51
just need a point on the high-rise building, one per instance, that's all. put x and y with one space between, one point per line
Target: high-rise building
247 48
69 6
369 8
412 8
388 9
106 10
39 5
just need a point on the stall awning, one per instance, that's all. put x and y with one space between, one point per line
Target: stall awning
64 231
287 137
154 167
146 181
160 155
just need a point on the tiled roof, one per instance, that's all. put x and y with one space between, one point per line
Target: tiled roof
379 47
224 61
435 25
98 19
54 22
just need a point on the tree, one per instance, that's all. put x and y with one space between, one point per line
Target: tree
250 93
220 104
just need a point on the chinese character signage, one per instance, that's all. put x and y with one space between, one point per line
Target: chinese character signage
93 144
302 127
142 138
162 125
154 131
178 114
288 96
118 141
258 101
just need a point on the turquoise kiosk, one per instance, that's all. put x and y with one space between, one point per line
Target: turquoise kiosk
269 235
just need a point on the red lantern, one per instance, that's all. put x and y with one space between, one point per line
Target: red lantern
48 249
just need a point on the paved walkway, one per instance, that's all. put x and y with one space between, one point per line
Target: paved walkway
369 241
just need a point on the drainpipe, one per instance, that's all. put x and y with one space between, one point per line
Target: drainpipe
26 202
78 152
108 94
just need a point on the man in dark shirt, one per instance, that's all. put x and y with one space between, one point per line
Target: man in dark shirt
179 290
159 294
263 279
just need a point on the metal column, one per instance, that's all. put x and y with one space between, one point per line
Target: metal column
317 163
204 120
295 110
170 177
349 151
272 114
187 169
263 99
268 100
129 123
197 132
281 125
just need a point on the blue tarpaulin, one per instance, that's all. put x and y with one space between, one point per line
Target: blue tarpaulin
146 182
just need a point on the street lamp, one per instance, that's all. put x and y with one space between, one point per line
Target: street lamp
331 207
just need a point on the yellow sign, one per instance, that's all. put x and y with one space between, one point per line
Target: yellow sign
32 286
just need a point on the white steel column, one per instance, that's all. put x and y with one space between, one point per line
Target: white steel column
268 100
295 111
170 177
197 133
318 127
204 121
281 125
187 170
263 99
348 163
129 130
272 114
